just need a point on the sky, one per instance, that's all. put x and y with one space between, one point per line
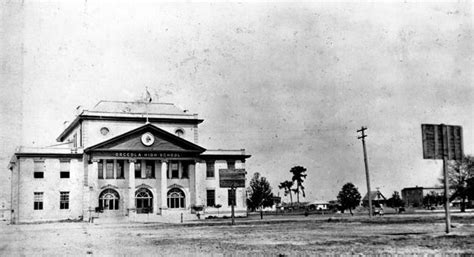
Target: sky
289 82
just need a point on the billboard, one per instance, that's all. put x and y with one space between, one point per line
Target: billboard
442 138
232 178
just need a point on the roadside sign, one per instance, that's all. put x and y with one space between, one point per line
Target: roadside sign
433 143
229 178
443 142
232 178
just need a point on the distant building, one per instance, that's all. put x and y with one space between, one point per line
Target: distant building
318 205
124 160
378 199
413 196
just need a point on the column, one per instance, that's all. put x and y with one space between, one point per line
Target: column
164 185
143 170
131 186
115 169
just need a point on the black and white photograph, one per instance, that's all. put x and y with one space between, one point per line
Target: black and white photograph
236 128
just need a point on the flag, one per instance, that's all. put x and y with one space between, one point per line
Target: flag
148 96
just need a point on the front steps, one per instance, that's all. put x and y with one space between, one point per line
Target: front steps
165 217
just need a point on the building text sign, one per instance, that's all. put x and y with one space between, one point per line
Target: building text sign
439 138
232 178
145 154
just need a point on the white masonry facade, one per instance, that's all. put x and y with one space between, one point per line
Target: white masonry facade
126 161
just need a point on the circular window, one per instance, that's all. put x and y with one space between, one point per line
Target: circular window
179 132
104 131
148 139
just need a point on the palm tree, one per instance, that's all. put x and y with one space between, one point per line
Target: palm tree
286 185
298 176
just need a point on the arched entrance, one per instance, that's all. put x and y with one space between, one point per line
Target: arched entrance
144 201
109 200
176 198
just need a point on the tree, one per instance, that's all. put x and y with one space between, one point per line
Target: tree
395 201
298 176
470 187
260 193
349 197
432 199
460 173
286 186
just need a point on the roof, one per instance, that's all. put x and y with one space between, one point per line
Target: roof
225 153
47 152
137 108
132 111
318 202
422 188
412 188
374 195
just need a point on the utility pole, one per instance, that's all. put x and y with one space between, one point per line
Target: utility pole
363 136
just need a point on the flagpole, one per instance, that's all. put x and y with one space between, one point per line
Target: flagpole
146 105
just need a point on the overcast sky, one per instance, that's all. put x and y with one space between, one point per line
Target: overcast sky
290 83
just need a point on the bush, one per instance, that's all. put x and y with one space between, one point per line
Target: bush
197 208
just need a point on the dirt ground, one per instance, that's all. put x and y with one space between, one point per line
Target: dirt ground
391 235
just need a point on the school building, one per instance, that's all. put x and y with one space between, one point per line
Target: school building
125 161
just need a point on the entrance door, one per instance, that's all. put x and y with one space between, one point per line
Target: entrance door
144 201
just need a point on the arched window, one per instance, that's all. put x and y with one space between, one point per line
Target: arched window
144 201
179 132
109 200
176 198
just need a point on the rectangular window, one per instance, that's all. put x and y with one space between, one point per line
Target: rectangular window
231 198
174 169
120 173
64 167
211 197
185 173
138 169
38 201
150 169
63 200
210 169
100 169
38 174
109 169
38 169
231 165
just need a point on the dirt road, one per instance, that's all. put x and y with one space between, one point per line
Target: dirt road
307 236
